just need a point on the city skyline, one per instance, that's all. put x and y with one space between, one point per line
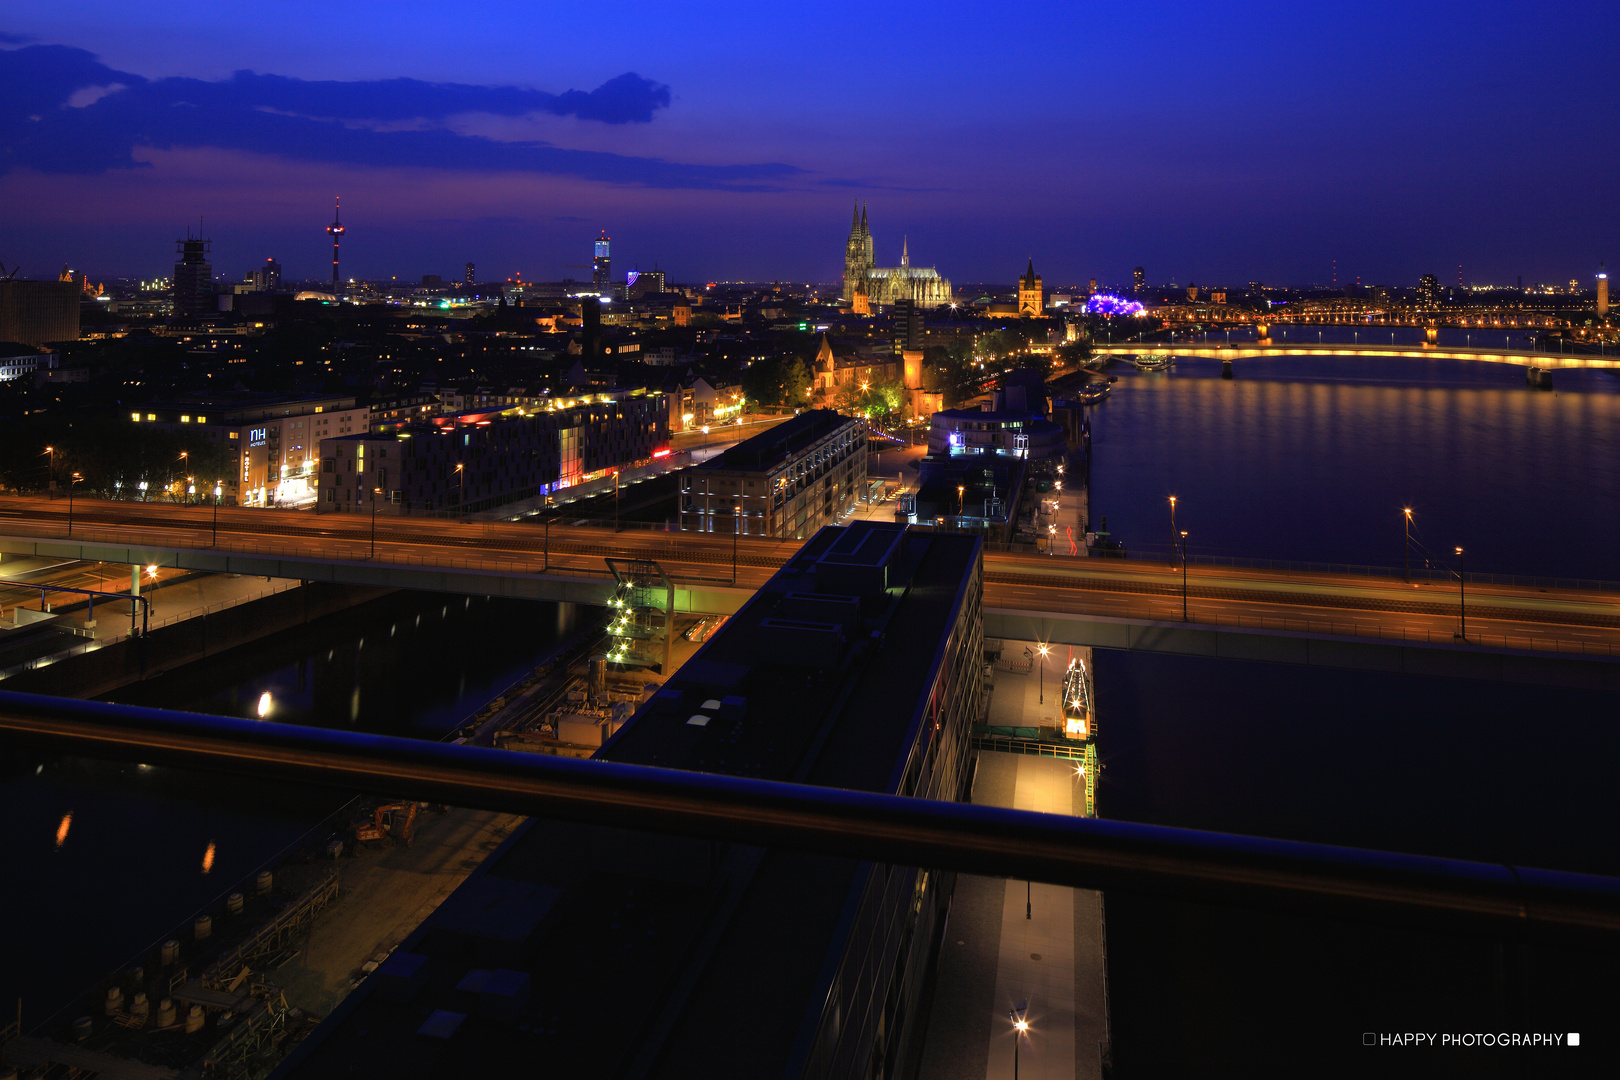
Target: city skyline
1208 147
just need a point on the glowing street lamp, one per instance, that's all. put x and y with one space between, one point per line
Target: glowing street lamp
1044 650
1020 1023
1462 598
1172 532
77 479
1407 554
1183 575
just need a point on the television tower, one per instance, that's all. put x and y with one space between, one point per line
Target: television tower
336 231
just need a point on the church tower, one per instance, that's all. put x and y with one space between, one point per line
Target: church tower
1030 301
857 252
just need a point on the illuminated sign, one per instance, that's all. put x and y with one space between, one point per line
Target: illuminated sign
257 436
630 278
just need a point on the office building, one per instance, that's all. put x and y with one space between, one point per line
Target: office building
908 326
786 482
193 278
1031 301
266 278
1139 279
602 263
270 442
39 312
467 274
473 461
1014 424
605 952
1428 291
26 364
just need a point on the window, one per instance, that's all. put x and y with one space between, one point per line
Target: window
184 419
135 416
151 416
202 419
233 434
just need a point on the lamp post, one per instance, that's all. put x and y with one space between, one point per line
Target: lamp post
1462 598
1406 554
219 493
961 494
1183 575
461 499
50 467
77 479
376 491
1020 1029
1044 650
615 500
1172 532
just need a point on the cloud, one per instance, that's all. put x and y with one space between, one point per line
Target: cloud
63 111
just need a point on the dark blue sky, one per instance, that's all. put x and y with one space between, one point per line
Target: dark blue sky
1213 143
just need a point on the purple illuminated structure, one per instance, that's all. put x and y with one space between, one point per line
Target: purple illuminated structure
1109 304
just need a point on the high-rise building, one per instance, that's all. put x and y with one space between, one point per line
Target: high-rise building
467 274
1031 303
1603 292
39 312
602 262
1428 291
1139 276
266 278
786 482
193 278
908 326
335 230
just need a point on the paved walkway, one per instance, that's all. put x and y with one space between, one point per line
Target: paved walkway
1013 941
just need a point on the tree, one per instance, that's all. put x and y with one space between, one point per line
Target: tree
953 372
882 400
778 380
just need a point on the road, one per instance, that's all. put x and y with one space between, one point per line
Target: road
1530 617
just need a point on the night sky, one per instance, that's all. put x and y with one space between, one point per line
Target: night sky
1214 143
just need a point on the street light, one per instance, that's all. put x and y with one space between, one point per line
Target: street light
77 479
961 493
1172 532
219 493
1020 1030
1407 553
50 466
376 491
1044 650
1183 575
1462 598
461 499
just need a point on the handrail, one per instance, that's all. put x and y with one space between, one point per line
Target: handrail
1448 894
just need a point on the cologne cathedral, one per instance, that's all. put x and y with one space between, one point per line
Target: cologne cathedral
868 286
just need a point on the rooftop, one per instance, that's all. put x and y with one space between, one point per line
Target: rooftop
770 448
638 953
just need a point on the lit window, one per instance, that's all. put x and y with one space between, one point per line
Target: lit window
202 419
151 416
185 419
135 416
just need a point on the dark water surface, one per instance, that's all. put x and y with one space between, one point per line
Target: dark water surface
131 864
1313 459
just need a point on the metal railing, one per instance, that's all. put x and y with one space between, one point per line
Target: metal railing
1188 864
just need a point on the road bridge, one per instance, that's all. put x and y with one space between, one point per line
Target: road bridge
1249 611
1251 349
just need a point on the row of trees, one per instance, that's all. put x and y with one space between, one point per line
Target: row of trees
110 455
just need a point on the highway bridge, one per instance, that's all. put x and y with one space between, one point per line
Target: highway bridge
1514 629
1250 349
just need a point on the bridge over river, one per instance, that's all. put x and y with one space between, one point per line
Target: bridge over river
1250 349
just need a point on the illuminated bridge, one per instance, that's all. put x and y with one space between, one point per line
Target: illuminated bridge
1565 632
1250 349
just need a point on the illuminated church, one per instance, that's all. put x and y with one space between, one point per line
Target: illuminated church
867 286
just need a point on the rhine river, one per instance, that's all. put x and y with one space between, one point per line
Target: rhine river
1307 459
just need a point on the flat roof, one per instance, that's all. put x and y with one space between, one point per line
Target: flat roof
765 451
670 957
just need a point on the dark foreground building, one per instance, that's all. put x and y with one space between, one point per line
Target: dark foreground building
581 951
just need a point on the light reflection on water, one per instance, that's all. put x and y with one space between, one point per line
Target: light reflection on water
1314 459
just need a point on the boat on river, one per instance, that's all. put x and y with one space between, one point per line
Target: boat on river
1154 362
